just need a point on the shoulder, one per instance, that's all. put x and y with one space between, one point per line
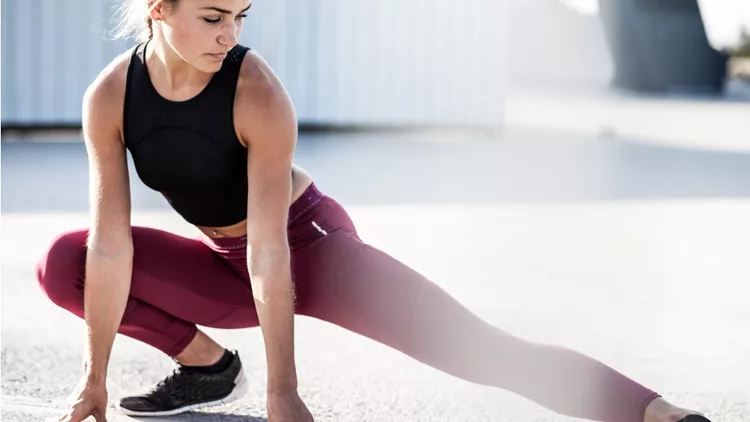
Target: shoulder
104 96
261 99
257 78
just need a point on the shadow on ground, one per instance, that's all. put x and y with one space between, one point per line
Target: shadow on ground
203 417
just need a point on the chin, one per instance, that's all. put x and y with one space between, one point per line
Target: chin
208 66
215 68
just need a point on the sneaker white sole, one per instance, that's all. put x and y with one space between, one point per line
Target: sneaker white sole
241 388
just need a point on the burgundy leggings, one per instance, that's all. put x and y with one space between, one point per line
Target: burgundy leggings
179 283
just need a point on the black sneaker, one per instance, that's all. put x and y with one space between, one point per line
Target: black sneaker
694 418
186 390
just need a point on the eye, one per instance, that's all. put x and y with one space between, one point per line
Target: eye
243 16
217 20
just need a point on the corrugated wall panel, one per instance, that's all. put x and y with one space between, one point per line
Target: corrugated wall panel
417 62
344 62
8 72
47 65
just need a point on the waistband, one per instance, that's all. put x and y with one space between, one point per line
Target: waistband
306 202
309 198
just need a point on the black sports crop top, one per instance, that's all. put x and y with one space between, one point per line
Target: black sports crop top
189 151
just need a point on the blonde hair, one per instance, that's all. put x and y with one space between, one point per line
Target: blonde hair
134 20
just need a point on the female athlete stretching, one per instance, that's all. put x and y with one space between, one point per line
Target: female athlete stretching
209 125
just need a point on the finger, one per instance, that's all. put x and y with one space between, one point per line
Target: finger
100 415
78 416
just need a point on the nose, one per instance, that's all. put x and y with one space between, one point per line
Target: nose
228 35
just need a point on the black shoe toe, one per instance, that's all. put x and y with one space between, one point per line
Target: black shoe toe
136 404
694 418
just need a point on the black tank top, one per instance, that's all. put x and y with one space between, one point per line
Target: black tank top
189 151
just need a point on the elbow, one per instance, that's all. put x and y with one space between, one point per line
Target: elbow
110 247
266 259
268 249
269 268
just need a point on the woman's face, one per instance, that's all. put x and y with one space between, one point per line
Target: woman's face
201 32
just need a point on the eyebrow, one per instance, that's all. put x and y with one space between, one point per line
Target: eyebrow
225 11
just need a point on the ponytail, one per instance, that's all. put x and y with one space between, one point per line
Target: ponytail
134 20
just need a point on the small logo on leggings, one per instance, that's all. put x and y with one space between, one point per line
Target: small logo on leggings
319 228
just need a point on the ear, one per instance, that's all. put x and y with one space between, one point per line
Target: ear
156 10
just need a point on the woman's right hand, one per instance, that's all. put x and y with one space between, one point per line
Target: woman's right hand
287 407
88 399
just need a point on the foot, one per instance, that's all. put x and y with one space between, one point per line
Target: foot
694 418
660 410
184 390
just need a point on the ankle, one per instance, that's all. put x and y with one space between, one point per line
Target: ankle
202 351
660 410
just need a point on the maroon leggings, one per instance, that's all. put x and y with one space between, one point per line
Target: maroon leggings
179 283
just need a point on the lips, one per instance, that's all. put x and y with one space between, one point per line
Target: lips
219 56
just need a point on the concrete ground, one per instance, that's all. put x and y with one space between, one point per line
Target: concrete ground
629 250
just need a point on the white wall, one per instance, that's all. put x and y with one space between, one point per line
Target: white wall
51 50
425 62
559 43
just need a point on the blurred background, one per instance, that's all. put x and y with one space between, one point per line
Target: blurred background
575 171
390 63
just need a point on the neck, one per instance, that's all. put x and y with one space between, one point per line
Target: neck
170 69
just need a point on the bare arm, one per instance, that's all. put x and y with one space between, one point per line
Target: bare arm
270 130
110 249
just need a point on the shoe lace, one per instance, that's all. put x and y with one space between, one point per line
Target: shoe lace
172 382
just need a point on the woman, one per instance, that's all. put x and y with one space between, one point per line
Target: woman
210 126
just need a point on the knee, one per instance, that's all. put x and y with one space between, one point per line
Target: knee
61 267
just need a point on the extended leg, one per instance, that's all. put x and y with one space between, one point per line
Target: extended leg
362 289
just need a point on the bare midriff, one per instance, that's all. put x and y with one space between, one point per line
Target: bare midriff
301 180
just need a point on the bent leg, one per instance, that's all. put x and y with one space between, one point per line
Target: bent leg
177 283
355 286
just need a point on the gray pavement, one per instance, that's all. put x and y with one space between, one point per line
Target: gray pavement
630 251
